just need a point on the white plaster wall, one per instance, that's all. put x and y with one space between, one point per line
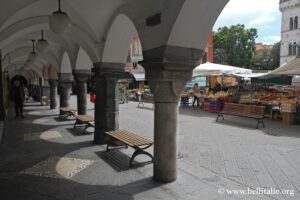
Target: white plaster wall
65 66
83 60
118 40
194 23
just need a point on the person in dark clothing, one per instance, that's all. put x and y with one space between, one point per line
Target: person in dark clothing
217 87
18 96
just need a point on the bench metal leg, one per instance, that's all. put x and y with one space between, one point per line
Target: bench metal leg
110 143
219 115
107 147
66 115
88 125
139 151
76 122
260 121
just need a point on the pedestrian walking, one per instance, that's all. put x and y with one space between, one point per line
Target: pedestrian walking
18 96
196 93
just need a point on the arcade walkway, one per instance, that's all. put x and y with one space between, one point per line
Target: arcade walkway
43 158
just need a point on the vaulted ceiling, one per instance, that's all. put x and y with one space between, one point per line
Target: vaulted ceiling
184 23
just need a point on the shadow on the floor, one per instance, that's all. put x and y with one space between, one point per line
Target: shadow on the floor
27 187
59 119
78 131
17 155
117 160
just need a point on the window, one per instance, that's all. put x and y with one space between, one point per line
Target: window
290 49
294 48
296 23
291 23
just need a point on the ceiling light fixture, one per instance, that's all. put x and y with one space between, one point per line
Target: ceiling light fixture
42 44
33 55
59 21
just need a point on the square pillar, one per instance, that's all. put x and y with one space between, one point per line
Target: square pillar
107 99
53 93
81 77
65 86
168 69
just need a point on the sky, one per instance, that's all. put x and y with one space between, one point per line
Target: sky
264 15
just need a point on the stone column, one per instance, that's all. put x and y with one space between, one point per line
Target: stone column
2 105
53 93
81 77
65 86
167 71
107 99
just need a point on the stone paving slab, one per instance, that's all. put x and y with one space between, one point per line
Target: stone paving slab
218 160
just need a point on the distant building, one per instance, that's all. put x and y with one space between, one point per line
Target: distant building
259 47
209 51
290 29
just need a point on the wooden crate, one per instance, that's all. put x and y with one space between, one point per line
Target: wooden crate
286 107
288 118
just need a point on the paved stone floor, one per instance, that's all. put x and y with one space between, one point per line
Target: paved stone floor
44 158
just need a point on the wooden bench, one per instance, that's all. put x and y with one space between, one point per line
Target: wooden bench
243 110
85 120
66 112
131 139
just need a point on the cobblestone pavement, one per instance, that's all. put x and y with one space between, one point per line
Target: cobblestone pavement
44 158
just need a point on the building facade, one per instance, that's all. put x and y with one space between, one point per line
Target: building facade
290 29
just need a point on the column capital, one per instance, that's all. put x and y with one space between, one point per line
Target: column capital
82 75
53 82
189 57
167 80
65 78
109 70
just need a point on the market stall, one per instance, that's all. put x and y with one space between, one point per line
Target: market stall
281 100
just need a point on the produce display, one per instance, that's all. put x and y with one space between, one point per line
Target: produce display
274 95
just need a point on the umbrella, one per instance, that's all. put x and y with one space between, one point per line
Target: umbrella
212 69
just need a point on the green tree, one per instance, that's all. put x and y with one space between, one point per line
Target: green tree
275 55
234 45
267 58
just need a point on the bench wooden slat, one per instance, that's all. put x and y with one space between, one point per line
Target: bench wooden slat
85 118
243 110
129 138
134 137
67 109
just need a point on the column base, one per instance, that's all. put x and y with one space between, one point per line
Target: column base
100 142
162 178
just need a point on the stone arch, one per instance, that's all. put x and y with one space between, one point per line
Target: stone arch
83 60
118 40
23 51
33 24
190 33
65 66
20 73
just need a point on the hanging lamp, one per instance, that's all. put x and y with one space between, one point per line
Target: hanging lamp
42 44
59 21
33 55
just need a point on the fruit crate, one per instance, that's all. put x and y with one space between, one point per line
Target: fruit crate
206 106
288 108
215 106
288 118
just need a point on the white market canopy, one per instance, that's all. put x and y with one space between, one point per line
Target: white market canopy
290 68
212 69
